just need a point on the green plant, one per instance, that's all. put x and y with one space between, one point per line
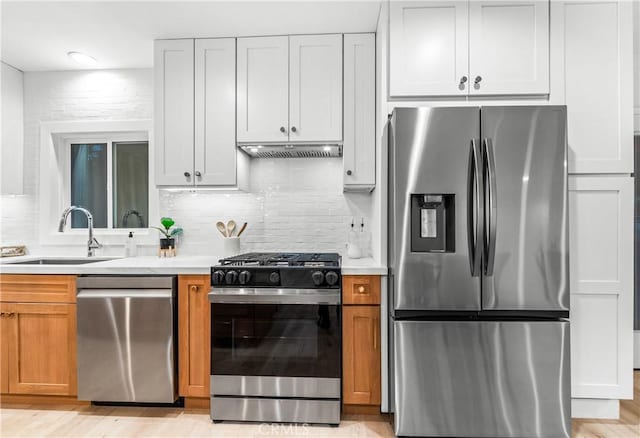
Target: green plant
167 223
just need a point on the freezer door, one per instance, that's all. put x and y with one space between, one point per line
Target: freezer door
526 239
434 200
482 379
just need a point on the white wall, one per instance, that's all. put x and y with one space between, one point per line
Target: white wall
294 204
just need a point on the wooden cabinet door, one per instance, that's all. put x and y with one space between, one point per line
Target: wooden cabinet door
315 88
428 48
601 279
4 351
215 113
359 145
509 47
173 112
361 355
41 343
263 89
194 335
591 47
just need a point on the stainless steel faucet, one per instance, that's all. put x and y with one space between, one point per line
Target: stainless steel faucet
93 243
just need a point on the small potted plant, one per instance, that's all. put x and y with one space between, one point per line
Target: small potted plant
169 240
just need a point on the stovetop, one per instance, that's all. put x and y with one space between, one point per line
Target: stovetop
283 259
278 270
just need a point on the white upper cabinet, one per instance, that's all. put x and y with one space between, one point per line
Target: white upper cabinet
428 48
453 48
359 146
509 47
263 89
290 89
12 102
173 111
215 115
592 57
315 90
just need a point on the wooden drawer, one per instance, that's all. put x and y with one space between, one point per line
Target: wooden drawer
37 288
361 289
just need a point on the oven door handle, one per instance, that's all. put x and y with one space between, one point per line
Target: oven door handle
275 296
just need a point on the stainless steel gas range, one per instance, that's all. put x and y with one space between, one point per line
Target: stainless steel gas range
276 338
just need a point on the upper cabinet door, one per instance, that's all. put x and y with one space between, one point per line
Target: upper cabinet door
173 111
592 49
359 146
263 89
315 92
215 101
428 48
509 47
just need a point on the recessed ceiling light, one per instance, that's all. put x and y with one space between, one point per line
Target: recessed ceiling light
82 58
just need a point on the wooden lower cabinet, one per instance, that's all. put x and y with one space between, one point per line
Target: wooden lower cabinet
40 341
194 322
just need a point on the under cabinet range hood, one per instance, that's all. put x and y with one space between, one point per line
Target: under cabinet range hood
291 150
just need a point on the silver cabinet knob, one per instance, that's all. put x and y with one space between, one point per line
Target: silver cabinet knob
283 129
198 174
477 80
187 174
349 172
293 129
463 79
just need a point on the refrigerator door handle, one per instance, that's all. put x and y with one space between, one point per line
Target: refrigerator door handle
474 209
491 209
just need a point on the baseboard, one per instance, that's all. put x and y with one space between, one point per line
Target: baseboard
636 349
361 409
595 408
23 399
197 403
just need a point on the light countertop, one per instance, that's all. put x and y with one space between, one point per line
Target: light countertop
149 265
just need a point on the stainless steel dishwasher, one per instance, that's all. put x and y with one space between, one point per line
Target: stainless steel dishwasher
127 339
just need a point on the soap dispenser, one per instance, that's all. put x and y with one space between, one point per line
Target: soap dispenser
130 248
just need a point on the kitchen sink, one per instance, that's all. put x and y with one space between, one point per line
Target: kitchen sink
60 261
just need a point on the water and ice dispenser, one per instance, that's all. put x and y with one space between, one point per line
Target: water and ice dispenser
432 222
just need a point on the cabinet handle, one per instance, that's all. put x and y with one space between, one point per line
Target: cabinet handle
349 172
463 79
193 288
361 289
477 80
293 129
283 129
187 174
198 174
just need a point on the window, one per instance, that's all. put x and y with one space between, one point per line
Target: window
109 177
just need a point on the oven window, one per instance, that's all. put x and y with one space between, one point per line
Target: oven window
290 340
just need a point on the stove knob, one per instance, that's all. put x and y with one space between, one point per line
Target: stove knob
318 278
231 277
274 278
332 278
244 277
218 277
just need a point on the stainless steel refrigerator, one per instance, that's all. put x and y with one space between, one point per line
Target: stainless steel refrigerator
479 271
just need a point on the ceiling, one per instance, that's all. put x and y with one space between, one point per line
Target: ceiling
36 36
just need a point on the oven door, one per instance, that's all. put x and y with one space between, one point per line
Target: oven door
276 343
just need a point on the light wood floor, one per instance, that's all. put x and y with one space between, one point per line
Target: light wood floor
74 421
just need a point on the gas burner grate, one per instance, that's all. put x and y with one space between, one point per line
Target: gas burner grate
283 259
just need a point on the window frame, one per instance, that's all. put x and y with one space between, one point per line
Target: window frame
109 139
53 198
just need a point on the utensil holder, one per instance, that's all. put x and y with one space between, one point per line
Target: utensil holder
230 246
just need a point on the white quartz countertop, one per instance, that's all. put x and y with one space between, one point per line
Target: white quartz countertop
145 265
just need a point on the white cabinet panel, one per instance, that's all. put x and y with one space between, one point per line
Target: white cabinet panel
315 91
215 102
592 45
601 241
12 127
428 48
263 89
509 47
173 111
359 147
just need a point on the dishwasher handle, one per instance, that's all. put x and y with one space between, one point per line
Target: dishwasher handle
125 282
124 293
